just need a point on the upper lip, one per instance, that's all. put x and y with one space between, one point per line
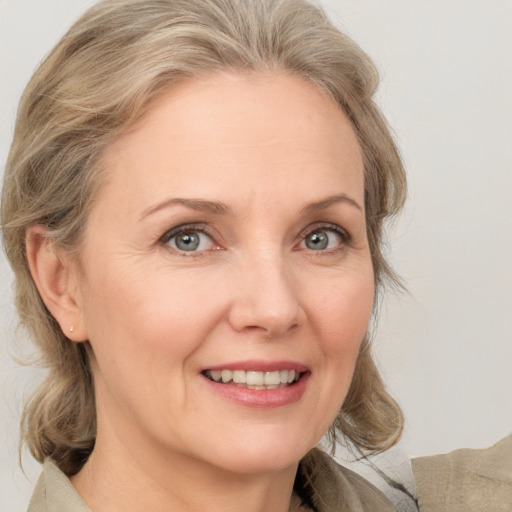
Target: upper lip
260 366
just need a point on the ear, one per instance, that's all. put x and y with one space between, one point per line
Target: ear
55 276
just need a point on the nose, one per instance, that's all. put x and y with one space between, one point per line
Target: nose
265 298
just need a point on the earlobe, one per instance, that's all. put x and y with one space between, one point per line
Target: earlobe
54 274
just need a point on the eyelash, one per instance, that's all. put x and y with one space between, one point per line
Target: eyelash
182 229
326 226
203 228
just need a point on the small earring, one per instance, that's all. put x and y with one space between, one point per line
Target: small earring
72 328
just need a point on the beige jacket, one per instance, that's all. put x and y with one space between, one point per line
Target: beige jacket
333 489
466 480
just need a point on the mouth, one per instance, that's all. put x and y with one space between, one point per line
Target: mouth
254 379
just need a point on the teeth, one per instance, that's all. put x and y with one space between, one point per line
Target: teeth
216 375
239 377
227 375
255 380
272 378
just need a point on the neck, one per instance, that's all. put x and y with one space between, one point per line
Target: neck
142 478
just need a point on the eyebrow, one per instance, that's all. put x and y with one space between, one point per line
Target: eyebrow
195 204
328 201
218 208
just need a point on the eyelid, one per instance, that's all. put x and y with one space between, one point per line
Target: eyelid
176 230
328 226
185 228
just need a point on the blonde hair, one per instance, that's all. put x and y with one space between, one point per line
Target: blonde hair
99 79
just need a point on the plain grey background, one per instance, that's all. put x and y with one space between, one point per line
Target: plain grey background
445 348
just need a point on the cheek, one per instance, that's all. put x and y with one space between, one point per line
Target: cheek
152 320
145 333
342 317
344 308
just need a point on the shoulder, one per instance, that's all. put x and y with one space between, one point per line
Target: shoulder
330 487
466 480
55 493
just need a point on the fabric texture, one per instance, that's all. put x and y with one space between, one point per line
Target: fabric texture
466 480
329 487
390 471
325 486
55 493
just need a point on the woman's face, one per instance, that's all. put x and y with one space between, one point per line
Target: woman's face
228 242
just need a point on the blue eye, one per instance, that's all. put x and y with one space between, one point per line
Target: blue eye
322 239
190 241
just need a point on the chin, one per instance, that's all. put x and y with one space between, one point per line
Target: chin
264 453
258 463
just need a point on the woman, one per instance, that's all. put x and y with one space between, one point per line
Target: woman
193 208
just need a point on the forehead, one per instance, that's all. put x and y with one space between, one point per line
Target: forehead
209 134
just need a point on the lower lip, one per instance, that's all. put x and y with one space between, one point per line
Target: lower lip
261 398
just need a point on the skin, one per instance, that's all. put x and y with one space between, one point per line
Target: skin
274 150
